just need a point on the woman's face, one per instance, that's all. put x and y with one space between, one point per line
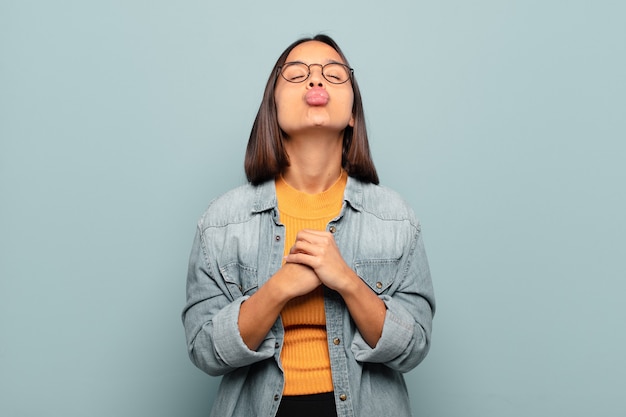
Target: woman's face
314 105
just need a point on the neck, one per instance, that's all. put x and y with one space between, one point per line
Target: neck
314 162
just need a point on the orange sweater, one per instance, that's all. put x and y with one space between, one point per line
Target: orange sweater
305 357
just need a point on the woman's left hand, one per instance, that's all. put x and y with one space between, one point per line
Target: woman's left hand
319 251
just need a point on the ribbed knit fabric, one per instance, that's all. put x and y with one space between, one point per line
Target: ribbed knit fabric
305 357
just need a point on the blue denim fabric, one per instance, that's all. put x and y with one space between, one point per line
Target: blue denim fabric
239 246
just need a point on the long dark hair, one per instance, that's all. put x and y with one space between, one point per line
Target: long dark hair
265 154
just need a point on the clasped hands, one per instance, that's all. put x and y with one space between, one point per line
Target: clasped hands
315 259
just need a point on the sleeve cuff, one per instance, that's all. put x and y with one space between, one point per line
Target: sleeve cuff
398 331
229 345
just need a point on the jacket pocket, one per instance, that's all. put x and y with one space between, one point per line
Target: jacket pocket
378 274
240 279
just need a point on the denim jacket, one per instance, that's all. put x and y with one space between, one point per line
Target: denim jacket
239 246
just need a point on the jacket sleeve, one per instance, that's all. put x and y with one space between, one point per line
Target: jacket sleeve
406 335
210 318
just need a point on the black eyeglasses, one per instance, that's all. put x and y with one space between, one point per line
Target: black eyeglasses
298 72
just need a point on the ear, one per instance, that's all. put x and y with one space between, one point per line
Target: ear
351 122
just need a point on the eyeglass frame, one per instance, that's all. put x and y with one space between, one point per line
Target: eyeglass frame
279 71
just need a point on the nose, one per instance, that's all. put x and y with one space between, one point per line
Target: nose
316 79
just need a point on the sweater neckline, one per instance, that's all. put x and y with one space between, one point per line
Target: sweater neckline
304 205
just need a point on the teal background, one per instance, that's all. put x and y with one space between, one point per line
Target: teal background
501 122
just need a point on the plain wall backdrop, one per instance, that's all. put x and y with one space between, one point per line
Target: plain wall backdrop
501 122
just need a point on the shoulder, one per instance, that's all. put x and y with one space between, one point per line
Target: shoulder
237 205
382 202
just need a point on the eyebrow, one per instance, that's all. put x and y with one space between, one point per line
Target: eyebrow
328 61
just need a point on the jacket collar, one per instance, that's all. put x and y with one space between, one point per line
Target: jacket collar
265 198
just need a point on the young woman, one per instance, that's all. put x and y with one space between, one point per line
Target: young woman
308 288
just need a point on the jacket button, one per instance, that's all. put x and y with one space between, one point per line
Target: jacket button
276 345
332 229
379 285
336 341
276 397
343 397
277 238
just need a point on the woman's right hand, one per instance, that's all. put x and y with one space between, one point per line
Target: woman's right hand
295 280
